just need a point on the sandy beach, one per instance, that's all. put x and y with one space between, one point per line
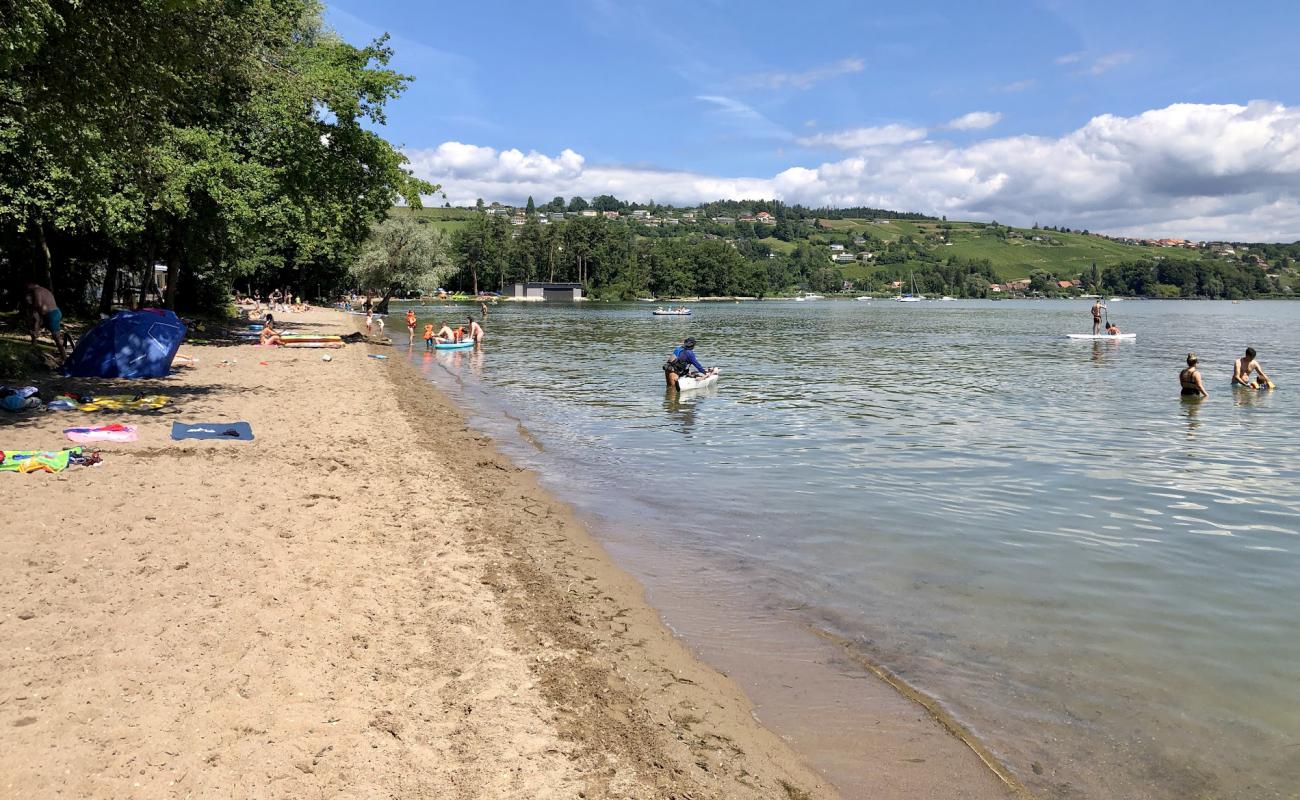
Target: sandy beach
368 600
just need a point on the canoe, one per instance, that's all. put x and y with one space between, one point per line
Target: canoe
687 384
1102 335
468 343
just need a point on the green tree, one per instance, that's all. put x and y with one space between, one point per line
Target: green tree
577 204
401 253
530 209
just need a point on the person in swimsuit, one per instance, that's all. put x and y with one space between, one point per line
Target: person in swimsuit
445 334
1190 379
482 310
1241 369
44 312
475 330
1112 330
428 336
270 336
1096 316
410 323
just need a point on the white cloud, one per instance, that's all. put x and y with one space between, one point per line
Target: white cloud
1109 61
744 117
1199 171
975 121
1017 86
862 138
1069 58
806 79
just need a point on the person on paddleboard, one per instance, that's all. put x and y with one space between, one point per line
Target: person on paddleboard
1112 329
445 334
679 366
1097 308
1190 379
1241 369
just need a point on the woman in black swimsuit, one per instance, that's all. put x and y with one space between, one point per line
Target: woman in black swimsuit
1190 379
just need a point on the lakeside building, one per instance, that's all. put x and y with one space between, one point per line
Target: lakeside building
765 218
563 292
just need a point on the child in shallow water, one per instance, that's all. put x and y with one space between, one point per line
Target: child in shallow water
428 336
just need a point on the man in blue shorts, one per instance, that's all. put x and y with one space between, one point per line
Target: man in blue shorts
44 312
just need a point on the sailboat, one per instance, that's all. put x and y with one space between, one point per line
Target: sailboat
913 297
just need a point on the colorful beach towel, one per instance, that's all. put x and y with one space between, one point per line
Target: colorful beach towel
37 460
103 433
239 431
126 402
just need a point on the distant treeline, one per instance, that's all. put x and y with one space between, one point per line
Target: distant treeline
226 142
616 261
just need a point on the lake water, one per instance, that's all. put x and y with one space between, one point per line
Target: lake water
1100 580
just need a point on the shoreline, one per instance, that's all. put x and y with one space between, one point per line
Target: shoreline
868 745
314 612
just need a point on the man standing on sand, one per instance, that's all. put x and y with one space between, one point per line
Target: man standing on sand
43 311
1241 369
1096 316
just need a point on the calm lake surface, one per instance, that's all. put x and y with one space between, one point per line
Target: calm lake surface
1100 580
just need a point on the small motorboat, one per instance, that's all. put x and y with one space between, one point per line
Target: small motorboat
671 312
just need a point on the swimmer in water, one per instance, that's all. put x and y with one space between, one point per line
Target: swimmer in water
1190 379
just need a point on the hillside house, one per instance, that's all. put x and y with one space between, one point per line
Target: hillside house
765 218
611 214
835 248
843 258
725 220
640 213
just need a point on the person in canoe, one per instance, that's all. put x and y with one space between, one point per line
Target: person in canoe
475 330
1097 308
1244 366
1190 379
679 366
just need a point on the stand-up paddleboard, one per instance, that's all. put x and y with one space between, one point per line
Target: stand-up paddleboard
685 313
468 343
688 383
1102 335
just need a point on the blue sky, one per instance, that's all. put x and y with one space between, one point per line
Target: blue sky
972 109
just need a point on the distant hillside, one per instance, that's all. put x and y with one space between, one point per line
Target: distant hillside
1013 252
629 252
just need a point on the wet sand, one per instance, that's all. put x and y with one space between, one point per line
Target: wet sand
366 600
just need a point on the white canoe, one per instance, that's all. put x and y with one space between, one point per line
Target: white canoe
686 384
1102 335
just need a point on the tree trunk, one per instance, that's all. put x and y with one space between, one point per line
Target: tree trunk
173 277
473 274
47 269
108 293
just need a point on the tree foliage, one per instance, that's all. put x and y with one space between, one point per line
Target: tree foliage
227 139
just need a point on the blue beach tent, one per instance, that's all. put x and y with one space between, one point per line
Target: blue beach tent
129 344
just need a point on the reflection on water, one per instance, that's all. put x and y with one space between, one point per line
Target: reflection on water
1097 578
